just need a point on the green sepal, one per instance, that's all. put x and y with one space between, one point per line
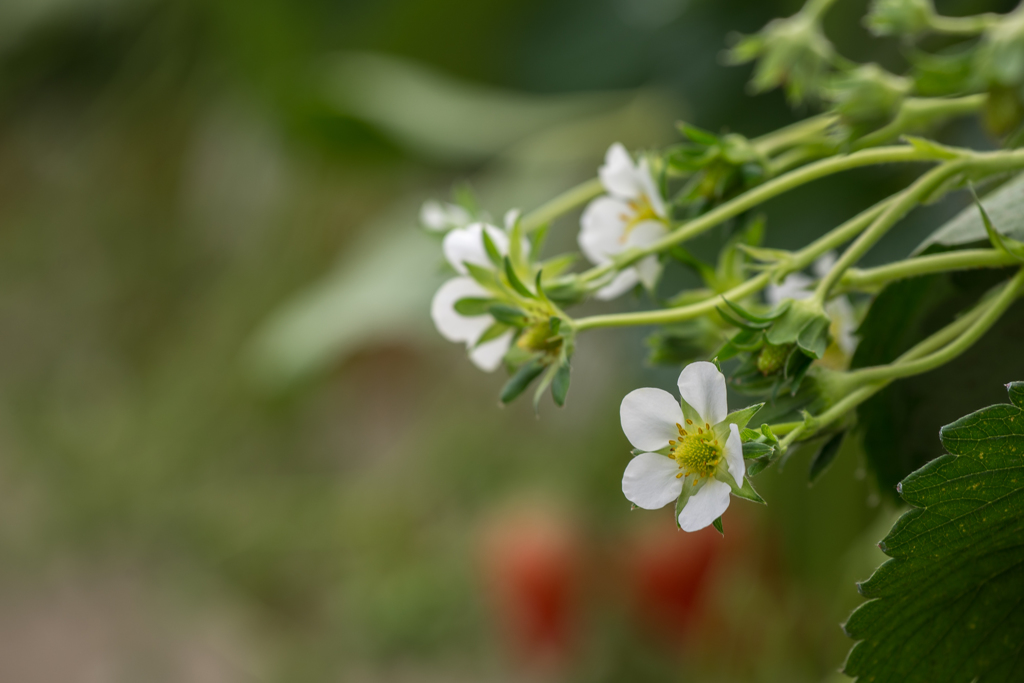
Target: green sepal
510 315
930 147
486 277
542 386
813 338
492 251
537 238
750 435
755 467
473 306
515 243
824 457
718 526
699 136
560 384
740 418
747 492
557 265
739 322
747 315
764 254
1016 391
756 449
1007 245
521 379
787 327
515 282
689 488
492 332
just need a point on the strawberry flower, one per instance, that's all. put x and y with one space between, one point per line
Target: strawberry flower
691 451
632 214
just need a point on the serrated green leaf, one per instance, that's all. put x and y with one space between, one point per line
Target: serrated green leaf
947 606
473 306
520 380
1016 391
824 457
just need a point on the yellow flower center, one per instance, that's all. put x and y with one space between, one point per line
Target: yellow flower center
697 451
642 211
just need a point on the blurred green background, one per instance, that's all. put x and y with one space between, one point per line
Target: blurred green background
231 446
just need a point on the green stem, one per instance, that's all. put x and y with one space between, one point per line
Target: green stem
962 26
930 361
896 210
793 134
563 203
762 193
872 279
933 352
919 112
797 261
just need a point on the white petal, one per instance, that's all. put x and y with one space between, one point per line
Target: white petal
844 324
437 216
466 244
511 216
705 506
623 282
648 269
649 418
650 481
824 264
645 233
488 356
734 455
702 386
650 188
451 325
603 229
794 286
618 174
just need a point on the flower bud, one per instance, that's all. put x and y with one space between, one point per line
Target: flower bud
868 94
907 18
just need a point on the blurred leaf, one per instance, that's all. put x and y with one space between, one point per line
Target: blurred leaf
1005 208
947 606
443 117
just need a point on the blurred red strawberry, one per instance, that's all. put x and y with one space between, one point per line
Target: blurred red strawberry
532 570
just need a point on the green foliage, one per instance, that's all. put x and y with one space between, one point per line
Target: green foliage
947 606
1004 207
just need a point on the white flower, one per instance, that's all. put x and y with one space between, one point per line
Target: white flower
462 246
798 286
699 447
439 217
632 214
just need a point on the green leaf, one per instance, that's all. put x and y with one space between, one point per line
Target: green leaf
813 337
560 384
749 435
520 380
515 282
824 457
1003 244
747 315
471 306
718 525
739 322
947 606
1005 207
